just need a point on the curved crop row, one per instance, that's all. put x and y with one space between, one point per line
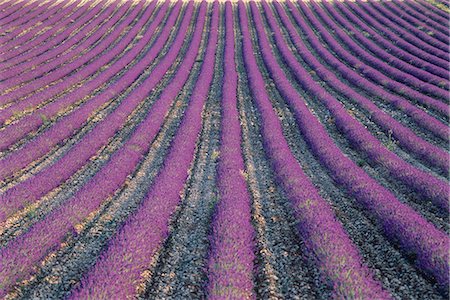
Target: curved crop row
436 50
406 45
126 251
29 191
434 39
35 49
231 258
107 25
394 63
417 19
230 150
52 17
434 155
374 197
366 70
90 196
392 47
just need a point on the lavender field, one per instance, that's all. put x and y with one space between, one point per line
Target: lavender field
224 149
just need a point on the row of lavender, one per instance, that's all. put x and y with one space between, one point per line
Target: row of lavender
230 266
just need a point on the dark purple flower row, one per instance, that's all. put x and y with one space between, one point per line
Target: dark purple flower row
430 10
52 17
399 221
19 256
324 236
13 133
108 31
32 11
66 72
367 71
399 41
388 44
35 187
386 62
417 19
420 181
230 266
407 138
404 34
133 248
35 49
418 115
436 39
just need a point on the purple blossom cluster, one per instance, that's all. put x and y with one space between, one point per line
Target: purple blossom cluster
323 234
40 48
37 186
19 256
399 221
126 251
406 137
230 266
69 124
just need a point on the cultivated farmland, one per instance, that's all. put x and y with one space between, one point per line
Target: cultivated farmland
224 150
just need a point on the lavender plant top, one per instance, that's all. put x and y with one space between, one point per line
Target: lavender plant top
224 149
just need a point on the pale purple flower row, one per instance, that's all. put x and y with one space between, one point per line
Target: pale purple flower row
13 133
440 51
388 44
325 237
368 71
66 72
32 10
407 138
35 187
115 24
19 256
437 40
52 17
388 63
230 266
418 20
400 41
133 248
36 48
399 221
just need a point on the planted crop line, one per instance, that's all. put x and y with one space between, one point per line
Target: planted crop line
52 37
33 213
23 34
94 117
224 149
16 83
101 127
121 63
